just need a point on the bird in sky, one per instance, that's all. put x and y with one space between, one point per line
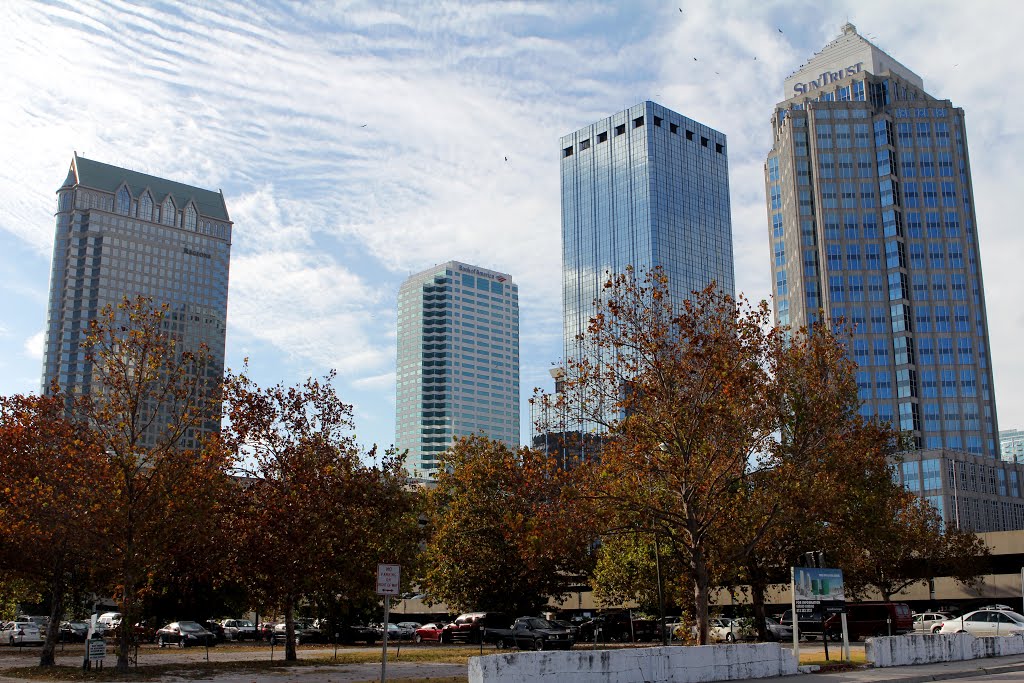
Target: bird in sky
506 158
363 126
780 30
695 59
680 9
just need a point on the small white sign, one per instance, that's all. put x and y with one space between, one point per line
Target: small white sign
97 649
389 579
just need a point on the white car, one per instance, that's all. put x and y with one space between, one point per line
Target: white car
986 622
238 629
930 622
723 630
20 633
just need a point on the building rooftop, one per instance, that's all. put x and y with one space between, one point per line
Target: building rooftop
108 178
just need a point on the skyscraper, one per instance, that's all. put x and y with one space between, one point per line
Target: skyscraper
458 361
645 187
120 234
872 222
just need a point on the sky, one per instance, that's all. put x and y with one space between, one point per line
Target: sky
358 143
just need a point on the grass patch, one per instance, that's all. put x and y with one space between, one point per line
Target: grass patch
857 658
204 670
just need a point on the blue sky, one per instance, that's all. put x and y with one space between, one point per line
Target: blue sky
357 143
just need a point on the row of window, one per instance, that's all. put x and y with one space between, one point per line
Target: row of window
638 122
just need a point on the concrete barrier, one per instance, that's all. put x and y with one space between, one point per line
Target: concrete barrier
677 664
921 648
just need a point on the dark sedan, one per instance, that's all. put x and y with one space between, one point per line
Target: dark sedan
534 633
73 631
184 634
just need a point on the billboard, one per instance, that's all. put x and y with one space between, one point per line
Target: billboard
815 590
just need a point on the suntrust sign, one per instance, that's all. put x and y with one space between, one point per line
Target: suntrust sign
827 77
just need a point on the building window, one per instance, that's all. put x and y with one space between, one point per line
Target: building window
146 207
167 211
191 216
567 152
124 201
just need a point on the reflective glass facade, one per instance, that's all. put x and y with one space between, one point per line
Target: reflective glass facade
872 222
458 361
120 233
644 187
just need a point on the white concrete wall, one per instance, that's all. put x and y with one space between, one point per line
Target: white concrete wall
642 665
920 648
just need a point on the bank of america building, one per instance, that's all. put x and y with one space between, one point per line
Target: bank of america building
458 361
872 222
121 233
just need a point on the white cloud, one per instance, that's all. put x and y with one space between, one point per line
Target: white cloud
34 345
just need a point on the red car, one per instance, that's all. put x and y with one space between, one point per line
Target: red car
429 633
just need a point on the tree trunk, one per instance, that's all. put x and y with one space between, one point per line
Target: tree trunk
290 654
701 589
757 598
126 629
57 589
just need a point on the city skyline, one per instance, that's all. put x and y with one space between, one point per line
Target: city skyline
389 153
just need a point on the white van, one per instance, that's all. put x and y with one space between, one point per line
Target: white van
108 621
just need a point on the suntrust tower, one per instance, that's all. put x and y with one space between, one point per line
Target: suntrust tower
872 224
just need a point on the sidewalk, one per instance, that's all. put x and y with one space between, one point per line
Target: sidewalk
913 674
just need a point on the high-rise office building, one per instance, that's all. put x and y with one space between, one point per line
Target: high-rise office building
645 187
1011 445
872 222
458 361
120 234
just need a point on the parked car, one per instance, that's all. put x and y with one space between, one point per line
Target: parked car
470 627
534 633
617 626
986 622
185 634
236 630
810 625
407 629
572 628
73 631
429 633
265 630
21 633
776 631
144 633
108 620
724 630
930 622
867 619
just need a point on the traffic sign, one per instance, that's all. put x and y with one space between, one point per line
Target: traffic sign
389 579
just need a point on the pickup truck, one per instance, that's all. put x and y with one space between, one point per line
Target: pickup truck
476 627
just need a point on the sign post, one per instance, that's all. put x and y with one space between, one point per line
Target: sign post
819 591
389 581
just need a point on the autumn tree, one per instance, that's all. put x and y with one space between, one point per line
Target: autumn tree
52 476
899 540
147 402
314 514
682 394
507 529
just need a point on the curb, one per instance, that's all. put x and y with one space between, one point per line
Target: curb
951 675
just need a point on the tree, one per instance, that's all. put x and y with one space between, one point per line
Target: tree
146 404
308 494
51 478
506 529
900 541
682 393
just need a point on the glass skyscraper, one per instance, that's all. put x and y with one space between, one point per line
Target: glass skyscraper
645 187
120 234
872 222
458 361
